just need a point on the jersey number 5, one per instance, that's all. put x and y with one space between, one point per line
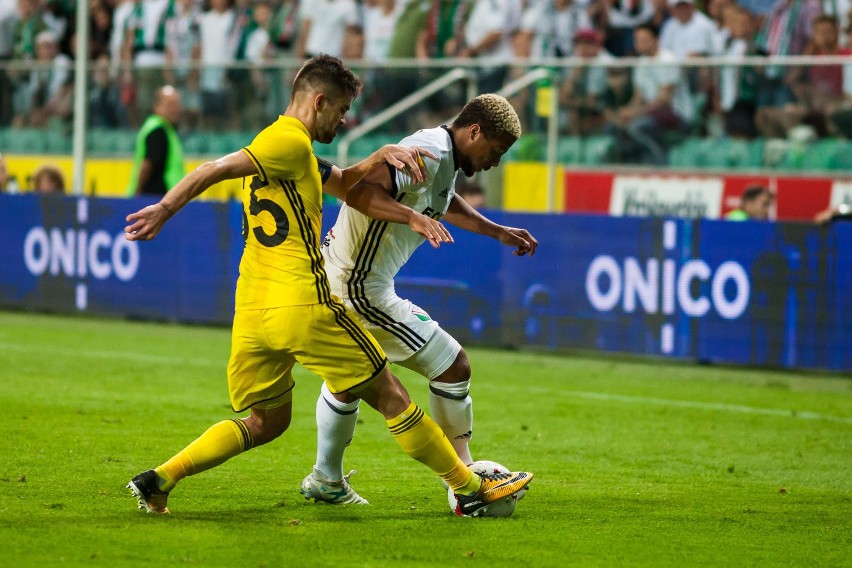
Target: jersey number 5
256 206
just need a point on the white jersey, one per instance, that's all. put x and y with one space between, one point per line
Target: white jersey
363 255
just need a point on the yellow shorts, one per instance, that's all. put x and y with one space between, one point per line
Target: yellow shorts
324 338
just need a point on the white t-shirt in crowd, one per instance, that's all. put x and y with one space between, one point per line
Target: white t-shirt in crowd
493 15
729 76
697 36
649 79
8 18
329 20
216 47
256 45
379 29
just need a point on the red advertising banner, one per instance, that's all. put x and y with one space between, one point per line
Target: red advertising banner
696 195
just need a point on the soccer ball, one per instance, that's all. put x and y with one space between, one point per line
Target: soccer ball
501 508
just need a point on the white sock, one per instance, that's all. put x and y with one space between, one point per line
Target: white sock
452 409
335 427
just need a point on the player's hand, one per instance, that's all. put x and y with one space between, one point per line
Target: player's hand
521 239
434 231
146 223
408 159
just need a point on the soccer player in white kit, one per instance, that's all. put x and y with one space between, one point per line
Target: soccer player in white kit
365 249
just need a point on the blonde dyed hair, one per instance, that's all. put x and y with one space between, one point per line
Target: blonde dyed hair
494 115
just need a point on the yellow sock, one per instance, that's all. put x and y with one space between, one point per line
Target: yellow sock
218 444
471 486
422 439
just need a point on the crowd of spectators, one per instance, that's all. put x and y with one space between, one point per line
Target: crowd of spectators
231 60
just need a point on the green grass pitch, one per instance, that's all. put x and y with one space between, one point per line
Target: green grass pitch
637 463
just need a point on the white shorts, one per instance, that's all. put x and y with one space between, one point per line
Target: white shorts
407 334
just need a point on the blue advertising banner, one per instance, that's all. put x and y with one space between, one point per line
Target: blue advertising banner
769 294
602 283
797 313
765 294
65 255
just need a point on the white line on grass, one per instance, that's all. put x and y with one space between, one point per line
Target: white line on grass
710 406
139 357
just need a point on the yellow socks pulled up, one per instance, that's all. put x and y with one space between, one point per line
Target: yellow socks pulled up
421 438
218 444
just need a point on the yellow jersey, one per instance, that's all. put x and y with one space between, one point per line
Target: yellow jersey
282 214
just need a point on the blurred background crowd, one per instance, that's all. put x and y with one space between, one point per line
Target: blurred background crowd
232 61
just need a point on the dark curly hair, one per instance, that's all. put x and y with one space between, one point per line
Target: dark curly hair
494 115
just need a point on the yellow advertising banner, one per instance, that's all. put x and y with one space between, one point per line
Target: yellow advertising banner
104 177
524 183
525 187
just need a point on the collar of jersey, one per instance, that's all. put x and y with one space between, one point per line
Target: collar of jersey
453 143
295 122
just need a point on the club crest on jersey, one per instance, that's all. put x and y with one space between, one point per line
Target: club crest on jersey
420 314
444 192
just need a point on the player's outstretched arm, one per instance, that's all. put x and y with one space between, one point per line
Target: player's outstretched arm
403 158
463 216
371 196
146 223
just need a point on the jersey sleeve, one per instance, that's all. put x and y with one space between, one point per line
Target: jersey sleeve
403 182
280 155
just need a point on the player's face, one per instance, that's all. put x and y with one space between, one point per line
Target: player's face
484 153
331 116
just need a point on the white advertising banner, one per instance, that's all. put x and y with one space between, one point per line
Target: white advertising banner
669 196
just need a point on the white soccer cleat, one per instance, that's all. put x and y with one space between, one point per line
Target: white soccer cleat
315 486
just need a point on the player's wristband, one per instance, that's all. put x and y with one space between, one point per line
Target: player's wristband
169 211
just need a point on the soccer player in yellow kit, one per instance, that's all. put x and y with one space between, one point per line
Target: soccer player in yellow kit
285 312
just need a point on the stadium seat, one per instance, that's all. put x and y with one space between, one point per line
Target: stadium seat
822 155
59 143
327 151
27 141
242 138
569 150
754 153
93 139
691 153
195 144
528 148
597 150
366 145
125 141
732 154
775 151
219 144
111 141
819 155
843 157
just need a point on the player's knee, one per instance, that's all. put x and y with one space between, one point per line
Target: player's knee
344 397
458 372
